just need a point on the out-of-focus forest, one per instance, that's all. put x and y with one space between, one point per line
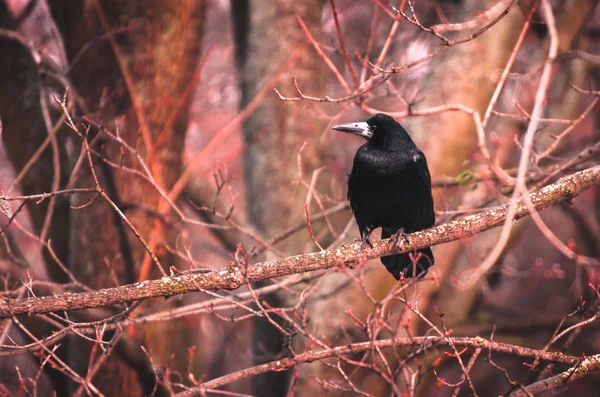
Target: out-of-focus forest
174 215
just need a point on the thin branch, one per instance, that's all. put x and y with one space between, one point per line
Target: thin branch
585 92
508 67
473 23
325 58
362 90
550 149
342 43
447 42
586 56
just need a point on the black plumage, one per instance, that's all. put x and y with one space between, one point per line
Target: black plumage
390 187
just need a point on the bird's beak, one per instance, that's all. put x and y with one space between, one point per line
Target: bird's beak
361 128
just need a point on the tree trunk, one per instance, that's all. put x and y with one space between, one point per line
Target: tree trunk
274 134
131 66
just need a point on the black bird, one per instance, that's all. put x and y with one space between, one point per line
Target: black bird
390 187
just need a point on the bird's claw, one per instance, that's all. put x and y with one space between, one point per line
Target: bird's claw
365 240
396 237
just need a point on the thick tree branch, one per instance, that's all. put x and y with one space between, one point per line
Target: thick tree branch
565 189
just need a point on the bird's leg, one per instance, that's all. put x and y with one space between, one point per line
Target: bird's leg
396 236
366 239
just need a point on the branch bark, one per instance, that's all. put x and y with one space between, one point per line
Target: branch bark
233 277
580 369
419 342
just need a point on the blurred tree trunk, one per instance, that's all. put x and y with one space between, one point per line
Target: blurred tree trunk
24 130
274 135
131 64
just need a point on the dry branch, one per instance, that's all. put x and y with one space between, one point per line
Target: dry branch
575 373
419 342
232 277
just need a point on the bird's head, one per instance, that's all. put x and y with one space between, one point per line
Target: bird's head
375 129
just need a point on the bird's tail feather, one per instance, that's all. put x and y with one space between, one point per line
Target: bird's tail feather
410 264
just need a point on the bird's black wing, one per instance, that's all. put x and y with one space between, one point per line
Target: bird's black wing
420 164
357 195
372 177
415 212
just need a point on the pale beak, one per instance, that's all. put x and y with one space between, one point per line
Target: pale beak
361 128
